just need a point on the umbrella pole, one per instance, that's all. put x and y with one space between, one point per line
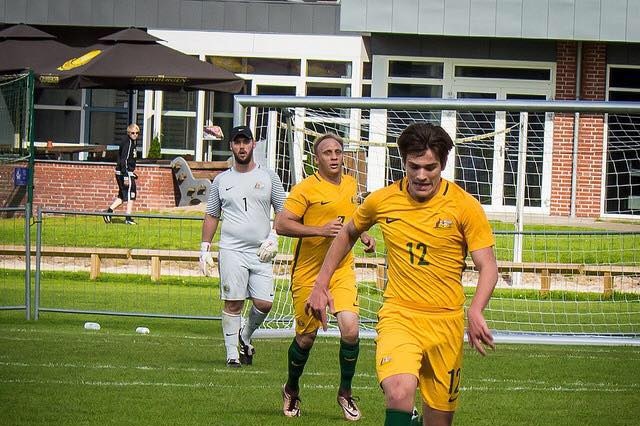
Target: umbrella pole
130 112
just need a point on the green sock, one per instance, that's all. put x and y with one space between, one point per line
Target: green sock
348 358
297 360
397 418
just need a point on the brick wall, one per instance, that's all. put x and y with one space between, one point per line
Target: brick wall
591 131
92 186
561 165
566 66
590 144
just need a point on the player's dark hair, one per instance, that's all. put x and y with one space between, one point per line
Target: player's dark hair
418 137
319 139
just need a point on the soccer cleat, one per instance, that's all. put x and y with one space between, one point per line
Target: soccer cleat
246 351
107 218
349 408
290 403
233 363
416 418
130 221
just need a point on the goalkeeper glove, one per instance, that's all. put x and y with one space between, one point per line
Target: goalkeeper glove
268 248
206 260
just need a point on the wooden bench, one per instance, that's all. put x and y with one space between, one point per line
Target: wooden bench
156 256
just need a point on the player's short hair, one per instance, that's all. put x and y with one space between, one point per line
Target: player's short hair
319 139
132 126
418 137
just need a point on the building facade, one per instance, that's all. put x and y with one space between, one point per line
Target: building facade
455 49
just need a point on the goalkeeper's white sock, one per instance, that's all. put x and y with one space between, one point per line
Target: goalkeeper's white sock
230 329
256 318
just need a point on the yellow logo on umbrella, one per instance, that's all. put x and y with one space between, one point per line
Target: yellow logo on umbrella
80 61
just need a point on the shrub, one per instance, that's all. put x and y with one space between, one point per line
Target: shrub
155 148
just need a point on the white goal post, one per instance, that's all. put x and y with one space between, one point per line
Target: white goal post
563 279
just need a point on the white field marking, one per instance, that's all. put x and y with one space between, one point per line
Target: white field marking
581 356
105 333
561 349
125 367
150 368
555 388
523 384
577 383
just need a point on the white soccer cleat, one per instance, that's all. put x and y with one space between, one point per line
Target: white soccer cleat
290 403
416 418
233 363
349 408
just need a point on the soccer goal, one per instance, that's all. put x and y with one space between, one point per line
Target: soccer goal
563 278
16 145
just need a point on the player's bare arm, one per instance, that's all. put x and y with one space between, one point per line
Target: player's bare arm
209 228
291 225
477 330
320 297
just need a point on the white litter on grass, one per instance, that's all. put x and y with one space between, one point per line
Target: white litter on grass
91 326
142 330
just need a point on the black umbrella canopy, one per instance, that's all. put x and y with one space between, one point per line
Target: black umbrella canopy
24 47
133 59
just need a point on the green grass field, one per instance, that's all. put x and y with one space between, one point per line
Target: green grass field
509 309
52 371
562 244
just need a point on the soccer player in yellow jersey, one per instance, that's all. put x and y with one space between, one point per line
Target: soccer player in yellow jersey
429 224
315 211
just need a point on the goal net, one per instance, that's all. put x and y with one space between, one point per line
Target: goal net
16 94
561 278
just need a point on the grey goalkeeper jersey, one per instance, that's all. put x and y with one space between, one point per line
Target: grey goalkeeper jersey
244 201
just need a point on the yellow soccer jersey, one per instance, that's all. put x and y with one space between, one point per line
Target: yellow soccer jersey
318 202
426 242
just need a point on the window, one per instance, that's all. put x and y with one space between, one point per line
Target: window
622 193
258 66
179 121
543 74
396 90
416 69
332 69
57 115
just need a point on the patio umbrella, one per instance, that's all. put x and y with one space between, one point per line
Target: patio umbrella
24 47
132 59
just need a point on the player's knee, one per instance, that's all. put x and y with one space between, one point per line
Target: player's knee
233 307
350 335
348 324
262 305
399 393
305 341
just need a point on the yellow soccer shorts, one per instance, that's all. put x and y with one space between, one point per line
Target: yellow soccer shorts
427 345
345 298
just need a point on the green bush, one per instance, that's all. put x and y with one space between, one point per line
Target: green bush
155 148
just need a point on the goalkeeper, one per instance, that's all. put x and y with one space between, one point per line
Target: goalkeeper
242 197
429 224
315 212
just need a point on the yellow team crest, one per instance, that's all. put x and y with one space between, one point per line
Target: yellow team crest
443 224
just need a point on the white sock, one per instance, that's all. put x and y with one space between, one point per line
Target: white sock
230 330
254 321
